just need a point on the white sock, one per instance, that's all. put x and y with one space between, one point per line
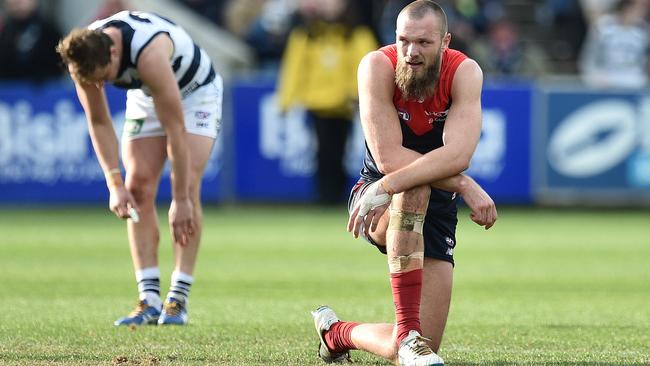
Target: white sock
180 287
149 286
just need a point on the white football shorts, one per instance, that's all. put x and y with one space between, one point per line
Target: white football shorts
201 111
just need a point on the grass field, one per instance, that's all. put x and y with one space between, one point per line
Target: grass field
544 287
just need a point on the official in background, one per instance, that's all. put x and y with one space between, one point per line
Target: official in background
27 42
319 73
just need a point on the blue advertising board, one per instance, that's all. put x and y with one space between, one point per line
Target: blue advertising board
593 147
501 162
46 154
275 151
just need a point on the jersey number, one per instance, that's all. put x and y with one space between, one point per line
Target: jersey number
138 16
141 17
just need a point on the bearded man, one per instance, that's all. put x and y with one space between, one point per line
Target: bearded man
420 105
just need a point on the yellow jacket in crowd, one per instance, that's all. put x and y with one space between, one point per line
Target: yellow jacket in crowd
319 68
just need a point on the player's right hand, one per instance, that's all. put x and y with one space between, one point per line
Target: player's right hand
120 202
181 221
368 210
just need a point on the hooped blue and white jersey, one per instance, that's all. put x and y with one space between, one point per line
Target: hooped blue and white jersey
190 63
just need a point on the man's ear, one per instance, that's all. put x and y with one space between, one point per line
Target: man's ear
446 40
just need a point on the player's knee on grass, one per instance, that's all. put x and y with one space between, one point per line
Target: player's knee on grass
413 200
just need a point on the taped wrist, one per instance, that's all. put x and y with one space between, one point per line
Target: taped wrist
405 221
406 263
371 200
114 178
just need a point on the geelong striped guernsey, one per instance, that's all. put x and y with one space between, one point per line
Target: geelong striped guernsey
190 63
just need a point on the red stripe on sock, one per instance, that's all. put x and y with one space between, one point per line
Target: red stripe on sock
407 290
338 337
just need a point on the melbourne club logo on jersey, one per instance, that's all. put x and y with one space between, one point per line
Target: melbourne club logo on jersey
450 245
436 116
404 115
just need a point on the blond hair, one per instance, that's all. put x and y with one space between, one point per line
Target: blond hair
419 8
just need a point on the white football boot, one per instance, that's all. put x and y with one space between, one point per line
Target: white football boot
414 351
324 317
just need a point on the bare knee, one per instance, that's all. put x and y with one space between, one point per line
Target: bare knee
413 200
142 187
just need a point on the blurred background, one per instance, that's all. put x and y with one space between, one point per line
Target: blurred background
566 108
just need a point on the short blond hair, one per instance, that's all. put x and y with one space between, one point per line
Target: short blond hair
419 8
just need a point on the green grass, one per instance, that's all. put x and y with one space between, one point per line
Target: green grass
543 287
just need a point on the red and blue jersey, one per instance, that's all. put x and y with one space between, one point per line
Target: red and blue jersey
422 121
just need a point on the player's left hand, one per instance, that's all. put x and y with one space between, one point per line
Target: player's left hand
484 211
181 221
369 209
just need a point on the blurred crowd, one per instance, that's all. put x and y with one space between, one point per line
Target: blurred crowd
603 41
314 47
27 42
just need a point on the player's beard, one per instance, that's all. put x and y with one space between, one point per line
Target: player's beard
414 85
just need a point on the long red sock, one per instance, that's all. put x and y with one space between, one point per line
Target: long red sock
338 337
407 289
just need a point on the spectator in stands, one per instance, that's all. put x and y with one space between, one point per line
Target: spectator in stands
505 54
615 54
110 7
482 13
460 27
319 72
566 26
241 14
27 43
211 9
387 19
593 9
264 25
368 12
466 19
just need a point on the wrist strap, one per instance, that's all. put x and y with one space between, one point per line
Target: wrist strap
112 179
